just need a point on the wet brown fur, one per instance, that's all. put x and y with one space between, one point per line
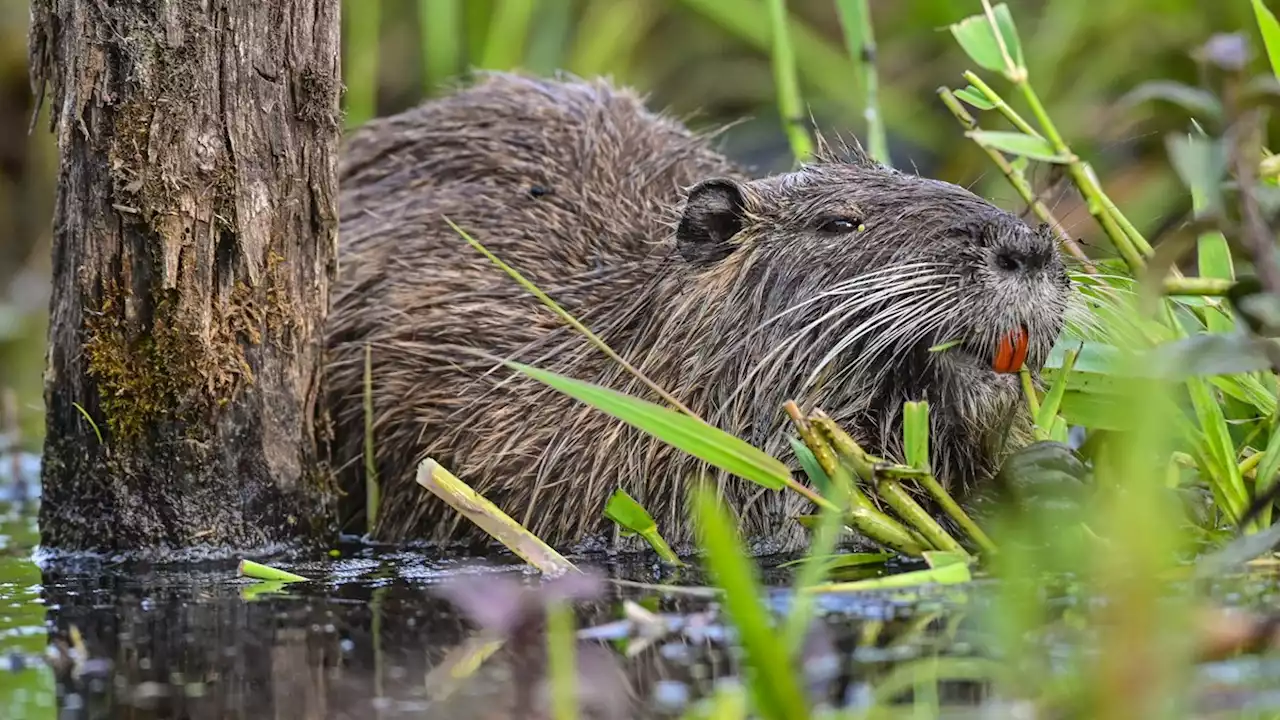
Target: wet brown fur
727 291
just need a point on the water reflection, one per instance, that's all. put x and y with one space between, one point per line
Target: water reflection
373 638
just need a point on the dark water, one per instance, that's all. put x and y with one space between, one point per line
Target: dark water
369 635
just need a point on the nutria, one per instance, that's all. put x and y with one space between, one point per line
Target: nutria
830 285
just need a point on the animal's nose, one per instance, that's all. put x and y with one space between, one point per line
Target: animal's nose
1010 260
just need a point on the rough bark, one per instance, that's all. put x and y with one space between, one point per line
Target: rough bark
194 246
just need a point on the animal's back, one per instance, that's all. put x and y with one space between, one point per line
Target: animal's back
576 184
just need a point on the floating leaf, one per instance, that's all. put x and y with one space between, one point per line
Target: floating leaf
693 436
975 36
258 571
1016 143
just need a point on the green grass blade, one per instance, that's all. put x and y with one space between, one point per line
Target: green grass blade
812 468
774 684
442 41
1270 30
562 662
360 69
695 437
609 33
1219 449
1052 403
1267 469
790 107
504 44
855 20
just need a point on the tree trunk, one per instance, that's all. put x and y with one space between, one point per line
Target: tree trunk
194 244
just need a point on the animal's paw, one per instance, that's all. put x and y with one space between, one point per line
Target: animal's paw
1044 475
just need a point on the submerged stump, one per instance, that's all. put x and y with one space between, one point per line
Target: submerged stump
194 246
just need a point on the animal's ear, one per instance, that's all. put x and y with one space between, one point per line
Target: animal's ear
713 214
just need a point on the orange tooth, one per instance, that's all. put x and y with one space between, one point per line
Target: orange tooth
1012 352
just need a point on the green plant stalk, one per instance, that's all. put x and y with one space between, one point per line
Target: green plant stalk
1082 172
917 415
908 509
859 34
360 71
372 489
866 467
788 86
1097 205
561 659
1197 286
509 22
824 454
442 41
1018 180
1033 401
488 517
957 513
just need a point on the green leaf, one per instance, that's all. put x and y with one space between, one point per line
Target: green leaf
812 468
691 435
1270 30
1094 411
632 517
1224 473
975 98
1201 164
938 559
915 434
975 36
1192 99
1265 473
1053 399
775 685
1016 143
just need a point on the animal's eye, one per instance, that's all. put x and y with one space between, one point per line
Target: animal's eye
838 226
1006 261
